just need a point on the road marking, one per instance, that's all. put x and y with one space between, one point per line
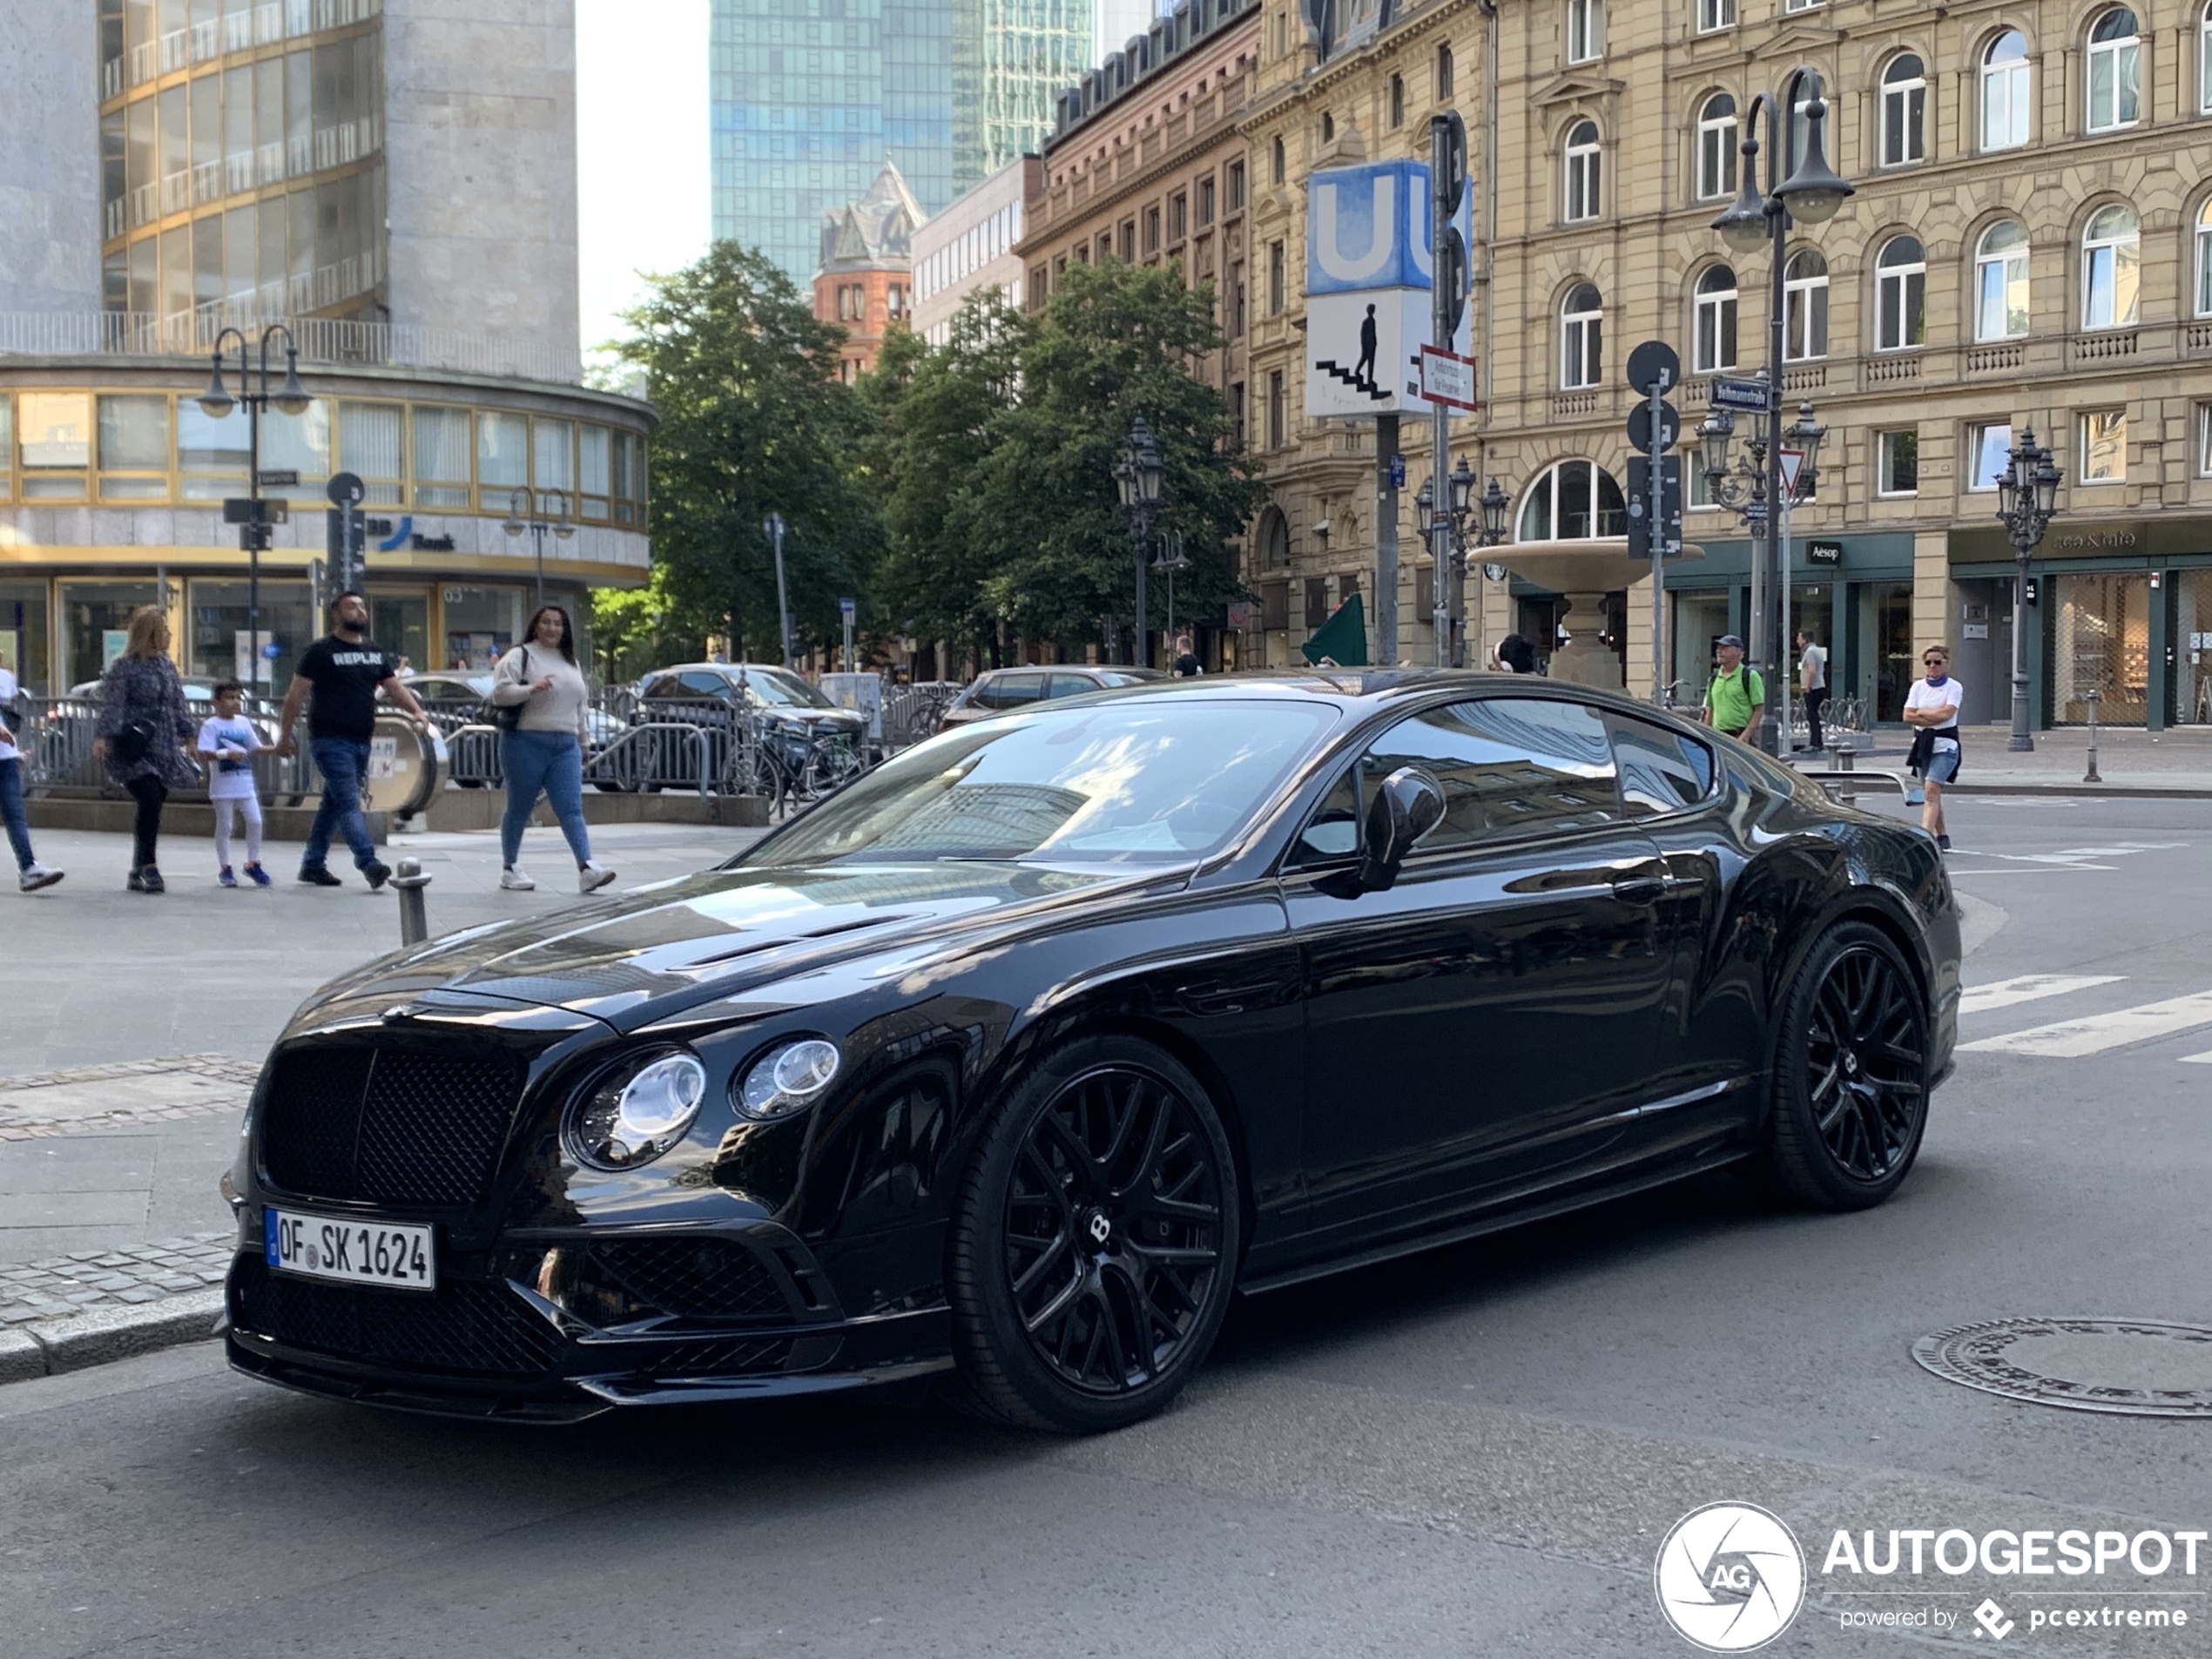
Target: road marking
2071 1039
2041 869
2085 856
2204 1059
2028 988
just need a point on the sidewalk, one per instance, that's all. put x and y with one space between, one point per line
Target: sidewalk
2173 763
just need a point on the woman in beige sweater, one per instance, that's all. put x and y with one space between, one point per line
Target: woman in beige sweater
544 753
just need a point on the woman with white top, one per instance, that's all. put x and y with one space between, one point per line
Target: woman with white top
1932 709
543 753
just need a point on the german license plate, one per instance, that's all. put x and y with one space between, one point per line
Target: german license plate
393 1254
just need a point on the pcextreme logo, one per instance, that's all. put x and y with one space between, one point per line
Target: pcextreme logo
1729 1577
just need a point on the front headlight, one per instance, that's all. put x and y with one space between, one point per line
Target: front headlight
787 1077
635 1113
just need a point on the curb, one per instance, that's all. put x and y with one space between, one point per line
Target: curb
2103 792
49 1347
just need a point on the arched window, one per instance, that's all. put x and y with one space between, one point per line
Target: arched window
2004 100
1716 144
1573 501
1900 295
1580 191
2112 255
1275 542
2204 260
2000 282
1713 347
1905 111
1583 26
1804 307
2115 71
1581 336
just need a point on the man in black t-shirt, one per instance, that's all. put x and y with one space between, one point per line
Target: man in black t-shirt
343 671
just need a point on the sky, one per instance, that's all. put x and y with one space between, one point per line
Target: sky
643 202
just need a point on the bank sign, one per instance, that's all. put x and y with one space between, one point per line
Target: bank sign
1368 283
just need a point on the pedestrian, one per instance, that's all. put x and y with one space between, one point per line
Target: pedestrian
1514 655
143 729
1932 709
229 741
544 750
342 671
1738 696
1187 666
30 875
1812 676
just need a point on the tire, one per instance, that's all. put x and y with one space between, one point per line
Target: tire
1851 1080
1094 1243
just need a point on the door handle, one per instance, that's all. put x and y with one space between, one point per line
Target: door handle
1640 889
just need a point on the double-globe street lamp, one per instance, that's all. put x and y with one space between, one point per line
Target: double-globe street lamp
522 500
216 402
1811 194
1743 488
1138 471
2031 497
1462 504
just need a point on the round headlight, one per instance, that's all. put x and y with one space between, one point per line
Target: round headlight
633 1116
788 1077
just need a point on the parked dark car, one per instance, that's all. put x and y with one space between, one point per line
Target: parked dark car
797 713
1001 689
1004 1068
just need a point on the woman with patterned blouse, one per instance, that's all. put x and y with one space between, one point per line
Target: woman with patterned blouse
144 729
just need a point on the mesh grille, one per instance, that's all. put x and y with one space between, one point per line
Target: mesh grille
699 1278
389 1125
312 1118
717 1358
464 1327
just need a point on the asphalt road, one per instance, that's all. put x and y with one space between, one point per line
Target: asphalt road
1472 1453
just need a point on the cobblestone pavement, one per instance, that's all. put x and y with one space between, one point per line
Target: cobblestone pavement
87 1280
85 1099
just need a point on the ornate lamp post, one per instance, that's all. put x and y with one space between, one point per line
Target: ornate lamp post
290 398
2031 497
523 499
1169 561
1460 503
1139 472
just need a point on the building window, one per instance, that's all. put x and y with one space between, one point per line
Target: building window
896 297
1206 201
1715 14
1237 415
2005 102
1989 456
2104 448
134 447
1274 408
1905 111
1237 183
1574 501
1328 126
1802 5
1128 241
1900 295
1397 100
2204 59
1582 337
1714 337
1275 163
1582 184
1583 28
1039 287
1151 230
2111 267
2204 440
1716 147
2000 282
2115 72
1237 300
1804 307
1898 456
1443 74
1178 216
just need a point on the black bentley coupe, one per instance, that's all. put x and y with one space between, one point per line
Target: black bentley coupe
1005 1067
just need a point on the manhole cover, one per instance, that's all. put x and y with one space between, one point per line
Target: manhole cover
2134 1367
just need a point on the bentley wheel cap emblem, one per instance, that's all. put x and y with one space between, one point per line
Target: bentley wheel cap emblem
1101 1229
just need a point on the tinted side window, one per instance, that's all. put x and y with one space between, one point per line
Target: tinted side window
1071 686
697 684
1661 771
1333 831
1510 767
1016 689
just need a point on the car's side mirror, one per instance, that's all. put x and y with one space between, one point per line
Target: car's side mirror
1406 806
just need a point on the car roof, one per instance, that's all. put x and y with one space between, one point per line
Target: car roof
1073 668
728 670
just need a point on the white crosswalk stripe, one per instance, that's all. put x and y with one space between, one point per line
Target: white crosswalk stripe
2028 988
2095 1033
2204 1059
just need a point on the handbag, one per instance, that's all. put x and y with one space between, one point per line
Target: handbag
132 740
507 717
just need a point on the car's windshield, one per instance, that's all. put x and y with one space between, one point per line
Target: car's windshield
784 688
1142 781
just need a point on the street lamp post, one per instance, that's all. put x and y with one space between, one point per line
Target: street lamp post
290 398
2031 496
1810 194
773 527
1446 532
1745 487
1138 473
1169 560
524 500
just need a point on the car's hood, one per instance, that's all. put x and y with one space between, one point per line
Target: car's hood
649 953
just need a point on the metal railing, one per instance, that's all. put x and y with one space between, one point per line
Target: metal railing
660 754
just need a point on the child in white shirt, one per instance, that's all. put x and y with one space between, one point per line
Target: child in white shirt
230 742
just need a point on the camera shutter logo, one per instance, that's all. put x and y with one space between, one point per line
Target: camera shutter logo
1729 1577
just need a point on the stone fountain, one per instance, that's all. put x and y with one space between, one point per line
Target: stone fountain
1584 572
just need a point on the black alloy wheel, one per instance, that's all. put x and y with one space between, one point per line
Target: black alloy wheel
1095 1245
1851 1076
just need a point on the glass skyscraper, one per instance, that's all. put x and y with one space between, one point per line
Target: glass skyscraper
812 97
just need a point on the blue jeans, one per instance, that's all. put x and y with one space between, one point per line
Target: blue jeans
12 810
343 764
548 762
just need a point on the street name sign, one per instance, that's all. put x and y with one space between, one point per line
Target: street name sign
1750 396
1447 378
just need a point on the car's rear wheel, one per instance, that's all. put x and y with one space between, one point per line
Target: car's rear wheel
1850 1073
1094 1245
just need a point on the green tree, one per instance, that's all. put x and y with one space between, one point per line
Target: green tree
752 419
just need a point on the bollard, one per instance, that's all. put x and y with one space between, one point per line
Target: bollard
409 882
1846 760
2090 776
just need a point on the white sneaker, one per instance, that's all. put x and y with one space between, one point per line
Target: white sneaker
589 878
39 876
514 881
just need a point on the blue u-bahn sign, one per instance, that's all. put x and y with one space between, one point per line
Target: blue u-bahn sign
1368 227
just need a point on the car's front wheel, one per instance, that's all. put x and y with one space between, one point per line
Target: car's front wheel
1850 1083
1094 1245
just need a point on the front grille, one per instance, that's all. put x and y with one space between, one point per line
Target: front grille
387 1125
463 1326
696 1279
716 1359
